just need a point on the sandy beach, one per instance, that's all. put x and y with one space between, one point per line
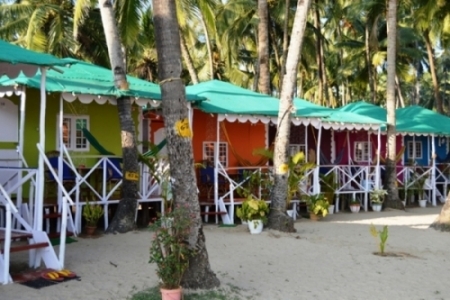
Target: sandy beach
329 259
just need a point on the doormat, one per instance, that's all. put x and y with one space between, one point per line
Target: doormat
38 279
57 241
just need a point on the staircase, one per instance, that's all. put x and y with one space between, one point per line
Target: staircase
29 239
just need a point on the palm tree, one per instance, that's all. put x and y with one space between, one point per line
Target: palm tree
391 174
199 273
278 219
263 48
123 220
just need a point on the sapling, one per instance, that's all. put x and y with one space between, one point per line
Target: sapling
383 234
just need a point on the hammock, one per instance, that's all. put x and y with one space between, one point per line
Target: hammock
338 158
398 157
155 149
243 162
95 143
443 160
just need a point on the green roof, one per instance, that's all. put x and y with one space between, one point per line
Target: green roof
85 78
365 109
306 109
226 98
417 119
17 55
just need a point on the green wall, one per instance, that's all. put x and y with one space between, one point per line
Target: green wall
103 124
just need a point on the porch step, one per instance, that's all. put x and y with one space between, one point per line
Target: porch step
213 213
15 235
27 247
52 216
53 235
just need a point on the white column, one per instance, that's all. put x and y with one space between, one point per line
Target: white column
39 205
433 171
306 142
378 177
23 98
316 187
61 149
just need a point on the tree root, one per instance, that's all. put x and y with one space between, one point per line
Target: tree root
281 221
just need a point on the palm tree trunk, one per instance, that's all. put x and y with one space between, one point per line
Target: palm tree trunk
391 174
263 48
369 65
285 40
437 94
179 148
318 56
124 219
442 222
188 60
278 219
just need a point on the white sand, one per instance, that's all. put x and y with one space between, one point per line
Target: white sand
330 259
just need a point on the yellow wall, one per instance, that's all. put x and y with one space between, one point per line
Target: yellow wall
103 124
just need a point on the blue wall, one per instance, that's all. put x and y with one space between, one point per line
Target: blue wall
440 144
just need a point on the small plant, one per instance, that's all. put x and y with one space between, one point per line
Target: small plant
318 204
92 213
377 196
382 234
170 249
253 209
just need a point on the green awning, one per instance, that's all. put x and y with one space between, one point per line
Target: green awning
306 109
88 79
13 54
226 98
419 120
365 109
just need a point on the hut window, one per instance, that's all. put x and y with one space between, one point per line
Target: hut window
362 151
295 148
72 132
209 151
414 149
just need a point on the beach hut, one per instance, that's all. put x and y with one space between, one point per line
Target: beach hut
15 60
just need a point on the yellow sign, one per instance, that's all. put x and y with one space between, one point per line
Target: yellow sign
182 128
132 176
284 168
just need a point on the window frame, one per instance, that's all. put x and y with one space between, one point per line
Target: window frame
410 146
295 148
363 155
207 157
72 132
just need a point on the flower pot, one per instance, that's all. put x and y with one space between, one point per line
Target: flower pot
355 208
314 217
90 230
255 226
377 207
170 294
331 209
423 203
404 203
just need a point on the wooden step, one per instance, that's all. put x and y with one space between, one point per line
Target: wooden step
53 235
26 247
52 216
15 235
213 213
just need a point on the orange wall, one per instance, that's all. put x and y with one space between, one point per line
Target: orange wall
244 137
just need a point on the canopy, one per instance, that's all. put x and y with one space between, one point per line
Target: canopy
89 82
365 109
421 121
226 98
14 59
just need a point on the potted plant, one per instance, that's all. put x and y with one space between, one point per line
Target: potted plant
254 212
419 185
92 213
355 205
170 251
318 206
329 188
377 198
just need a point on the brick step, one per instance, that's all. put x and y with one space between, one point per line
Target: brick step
26 247
15 235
